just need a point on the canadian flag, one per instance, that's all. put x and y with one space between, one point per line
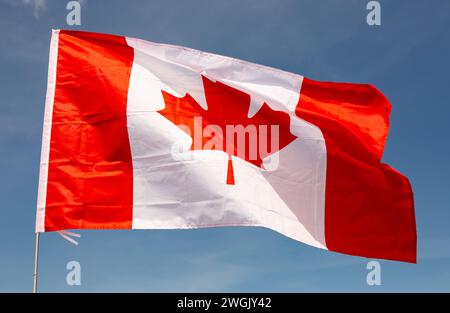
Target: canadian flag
140 135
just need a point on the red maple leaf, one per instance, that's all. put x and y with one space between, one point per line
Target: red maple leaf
228 106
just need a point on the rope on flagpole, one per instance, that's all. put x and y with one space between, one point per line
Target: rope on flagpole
36 256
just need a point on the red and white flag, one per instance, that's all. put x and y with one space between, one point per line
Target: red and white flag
140 135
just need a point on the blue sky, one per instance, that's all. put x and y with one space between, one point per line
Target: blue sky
406 58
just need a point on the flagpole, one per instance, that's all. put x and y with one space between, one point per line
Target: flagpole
36 256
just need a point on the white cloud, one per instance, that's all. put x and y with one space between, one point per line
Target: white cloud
36 5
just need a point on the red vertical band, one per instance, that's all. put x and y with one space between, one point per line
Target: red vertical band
90 178
369 208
